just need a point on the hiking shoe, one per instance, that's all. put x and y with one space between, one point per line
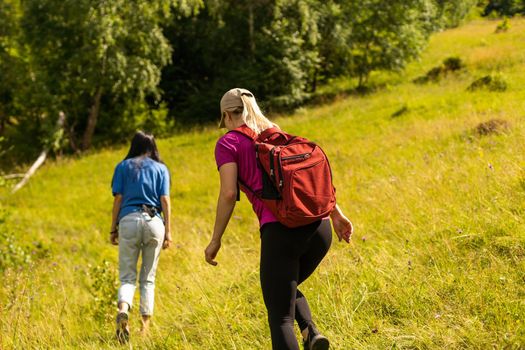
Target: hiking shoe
315 340
122 327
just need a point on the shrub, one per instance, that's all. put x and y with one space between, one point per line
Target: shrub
503 26
493 126
489 82
453 63
449 65
103 286
504 8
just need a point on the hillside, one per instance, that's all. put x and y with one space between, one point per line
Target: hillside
437 259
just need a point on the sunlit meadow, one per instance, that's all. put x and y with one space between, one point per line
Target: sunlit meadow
436 261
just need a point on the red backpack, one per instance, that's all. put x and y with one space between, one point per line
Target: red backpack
297 179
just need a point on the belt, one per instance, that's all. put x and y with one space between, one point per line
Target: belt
150 210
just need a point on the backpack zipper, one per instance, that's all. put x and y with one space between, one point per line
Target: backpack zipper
272 173
297 156
280 168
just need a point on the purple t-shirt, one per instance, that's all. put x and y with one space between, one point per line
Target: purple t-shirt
236 148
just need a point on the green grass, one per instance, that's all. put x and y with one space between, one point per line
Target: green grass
437 259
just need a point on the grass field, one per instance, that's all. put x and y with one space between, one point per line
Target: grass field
437 260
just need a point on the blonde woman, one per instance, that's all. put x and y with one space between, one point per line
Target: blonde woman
288 255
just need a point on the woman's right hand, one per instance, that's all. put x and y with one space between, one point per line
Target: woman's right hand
211 251
114 237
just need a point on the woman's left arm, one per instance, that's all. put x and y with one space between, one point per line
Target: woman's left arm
342 225
117 201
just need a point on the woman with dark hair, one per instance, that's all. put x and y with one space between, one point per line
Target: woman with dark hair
288 255
141 185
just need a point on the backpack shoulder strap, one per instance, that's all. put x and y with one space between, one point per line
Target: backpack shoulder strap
246 131
273 134
268 134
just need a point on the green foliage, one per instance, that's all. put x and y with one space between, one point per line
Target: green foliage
283 50
103 286
93 60
386 35
449 65
14 74
292 37
3 148
87 54
504 26
491 82
114 66
505 7
450 13
268 47
139 116
13 254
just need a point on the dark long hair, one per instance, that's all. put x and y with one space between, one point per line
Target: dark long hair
143 144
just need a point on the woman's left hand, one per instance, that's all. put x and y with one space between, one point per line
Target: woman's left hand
211 251
167 241
343 227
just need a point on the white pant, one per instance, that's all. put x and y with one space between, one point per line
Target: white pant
138 232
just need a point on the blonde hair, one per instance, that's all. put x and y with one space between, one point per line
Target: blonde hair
251 114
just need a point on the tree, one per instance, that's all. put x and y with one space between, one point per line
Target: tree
87 54
106 64
505 7
11 65
385 35
451 12
267 46
292 57
282 49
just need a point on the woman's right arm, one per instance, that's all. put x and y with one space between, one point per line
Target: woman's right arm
117 201
225 205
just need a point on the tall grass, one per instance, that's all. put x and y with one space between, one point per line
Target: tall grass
437 259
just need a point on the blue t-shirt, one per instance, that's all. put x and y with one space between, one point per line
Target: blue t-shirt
140 180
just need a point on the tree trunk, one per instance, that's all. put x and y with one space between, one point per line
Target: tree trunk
314 81
360 82
92 120
39 161
70 131
364 71
251 29
41 158
72 141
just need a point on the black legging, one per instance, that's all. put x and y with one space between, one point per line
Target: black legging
288 257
